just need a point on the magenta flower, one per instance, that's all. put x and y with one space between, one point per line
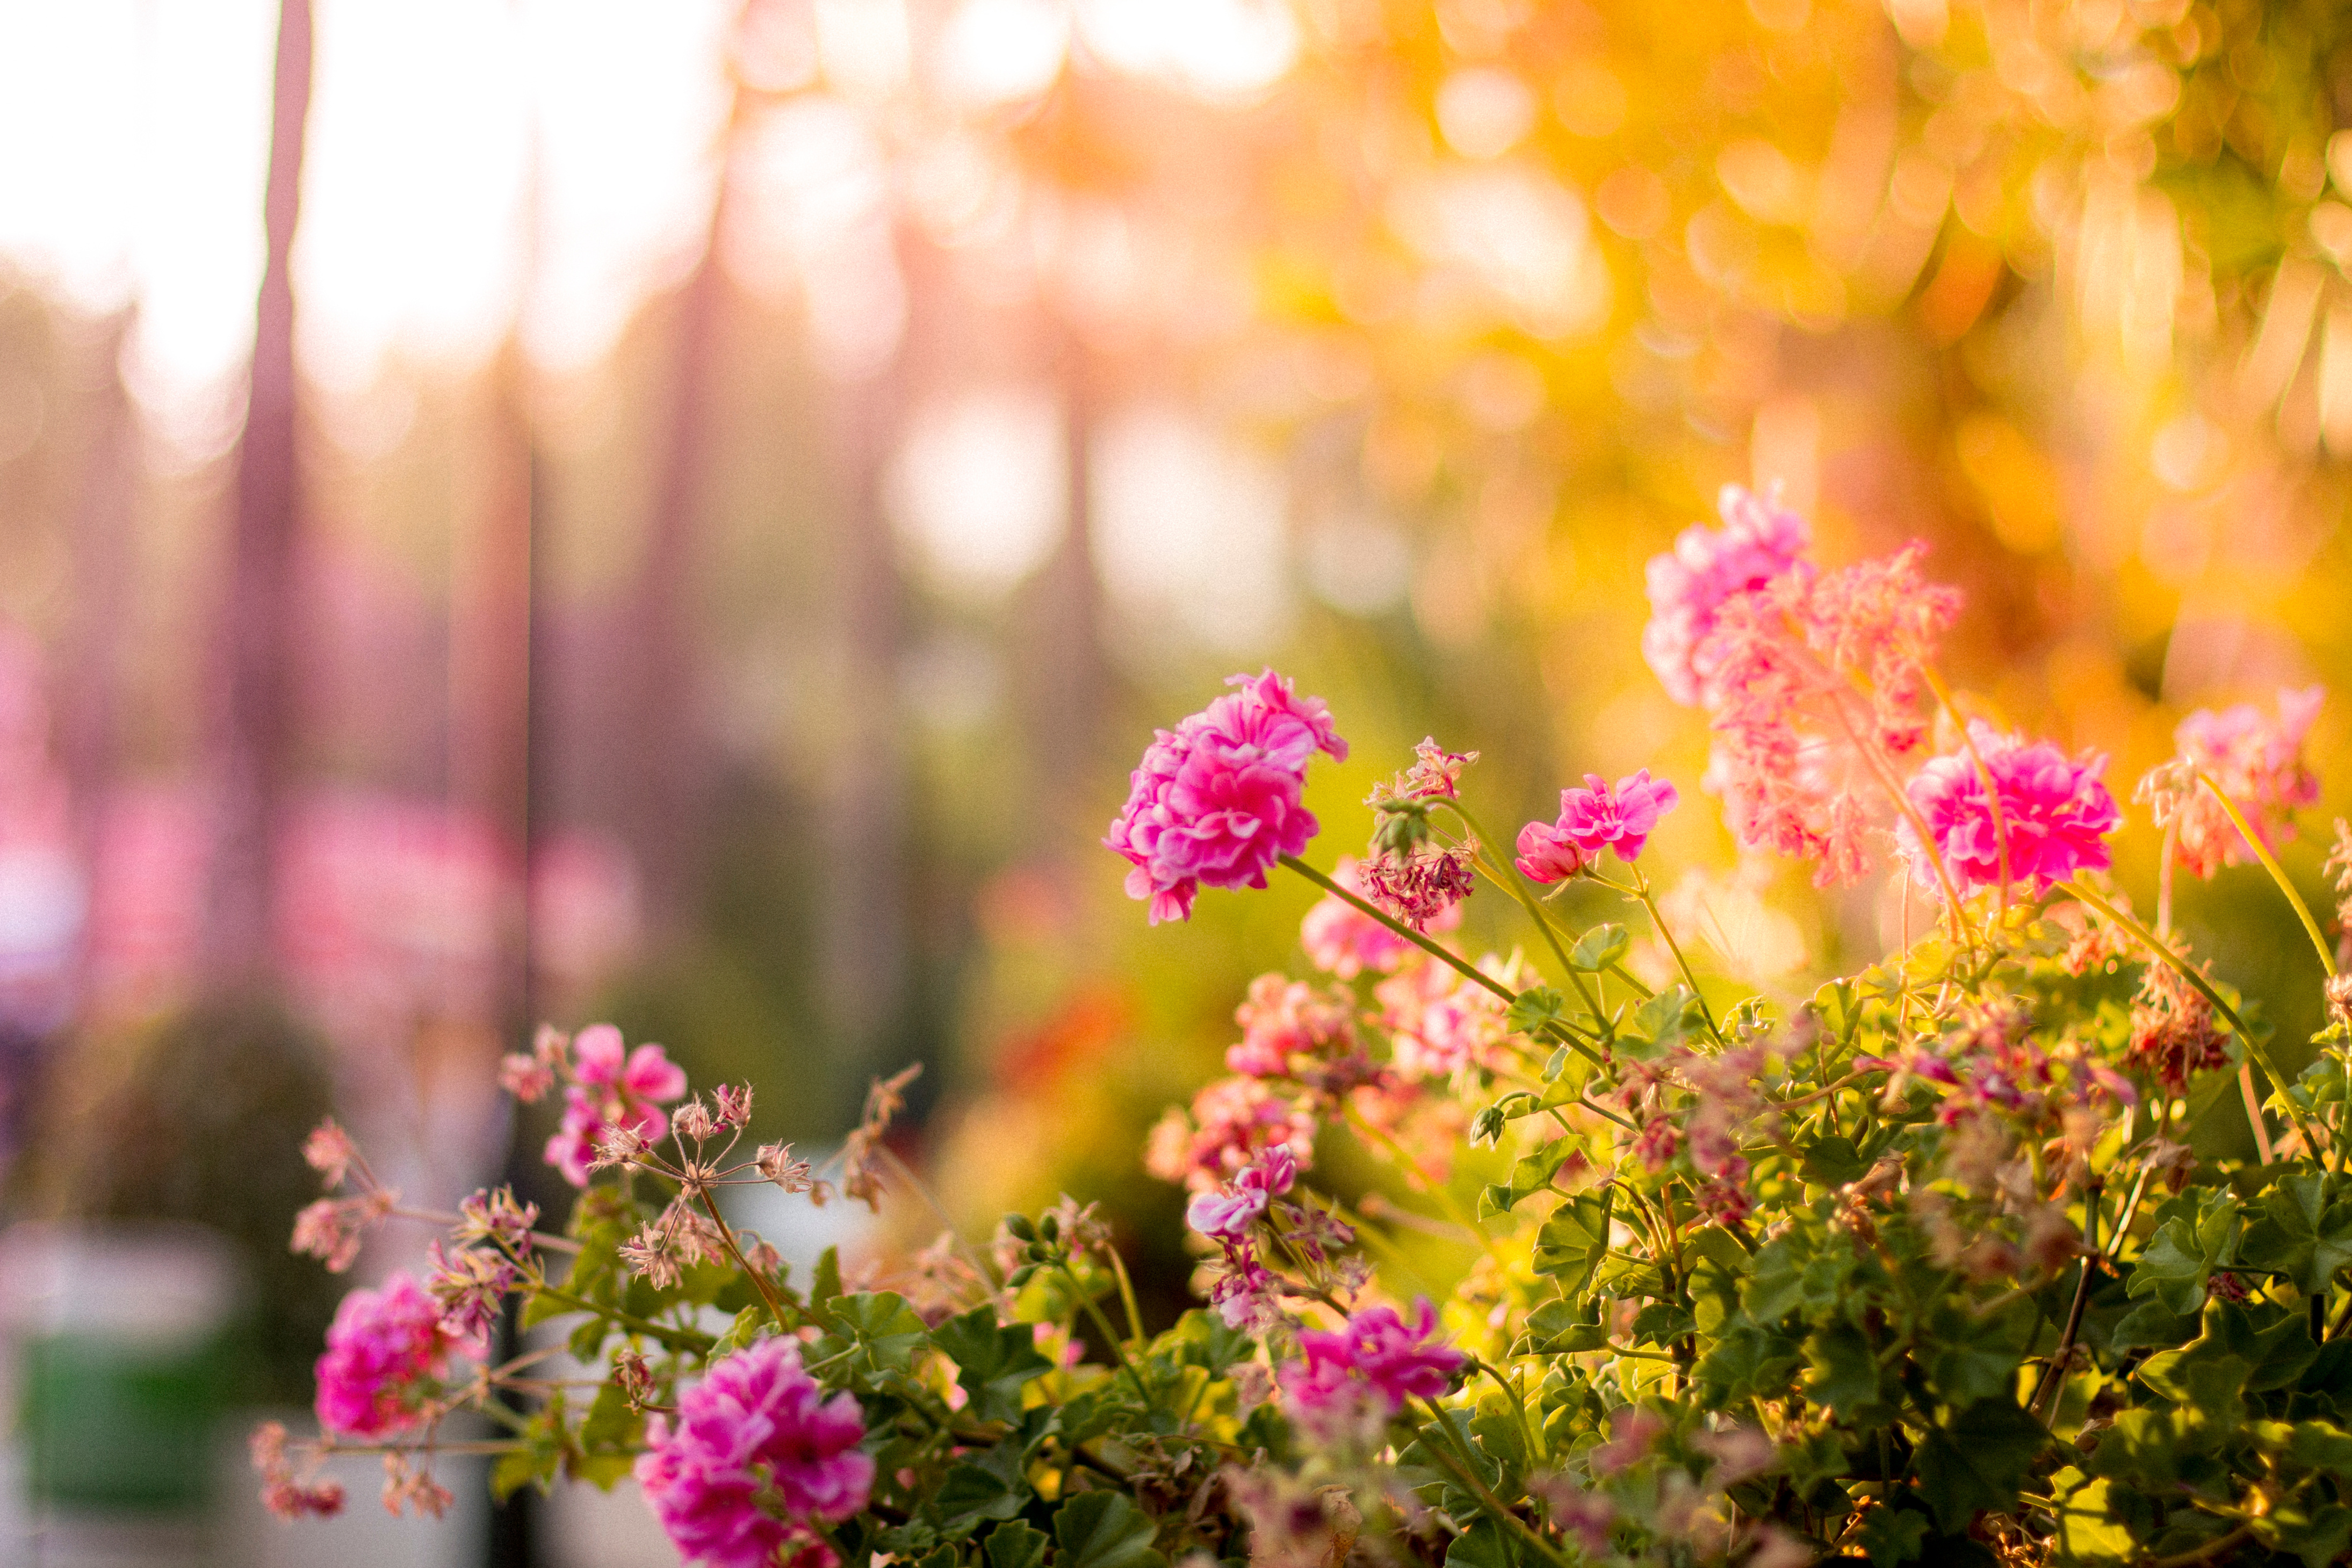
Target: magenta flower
604 1061
2258 762
614 1087
757 1428
381 1343
1592 819
1378 1357
1758 542
1216 800
2056 812
1227 1216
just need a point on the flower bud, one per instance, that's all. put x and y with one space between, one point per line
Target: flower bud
1019 1227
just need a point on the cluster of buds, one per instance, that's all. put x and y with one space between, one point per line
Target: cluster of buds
2174 1034
409 1485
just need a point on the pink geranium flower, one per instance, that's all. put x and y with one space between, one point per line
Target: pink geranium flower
1216 800
757 1428
1233 1122
2258 762
1592 819
614 1088
379 1345
1688 584
1227 1216
2055 811
1377 1358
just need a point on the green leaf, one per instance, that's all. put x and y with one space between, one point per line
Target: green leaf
826 1284
1891 1537
1530 1176
987 1486
1600 947
1533 1009
1833 1161
2088 1529
1482 1545
1776 1288
1663 1019
1749 1363
1016 1546
1561 1328
1202 1339
2183 1254
1105 1530
1718 1264
1572 1242
993 1361
2152 1325
884 1328
1844 1372
2304 1232
1976 1462
611 1423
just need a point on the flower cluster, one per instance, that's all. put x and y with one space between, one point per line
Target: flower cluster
2046 817
2253 759
607 1088
383 1350
1216 800
755 1456
1363 1373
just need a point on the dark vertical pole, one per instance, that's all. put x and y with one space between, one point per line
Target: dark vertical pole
256 642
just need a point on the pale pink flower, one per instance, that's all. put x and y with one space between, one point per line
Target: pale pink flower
380 1346
1233 1122
526 1078
1688 584
329 1151
1814 683
1227 1216
615 1093
1592 819
1441 1023
2055 812
332 1228
2257 761
1436 775
1391 1358
1217 799
755 1454
471 1285
1342 940
1289 1027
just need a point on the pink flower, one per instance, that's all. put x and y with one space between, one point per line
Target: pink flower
329 1151
1814 683
1227 1216
585 1127
1592 819
1233 1122
1217 799
1377 1352
1758 541
1439 1023
1288 1028
604 1061
757 1428
381 1343
2258 762
2056 814
1341 939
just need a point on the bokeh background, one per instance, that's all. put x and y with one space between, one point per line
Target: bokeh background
685 512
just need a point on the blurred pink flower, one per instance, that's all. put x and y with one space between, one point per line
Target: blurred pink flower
1216 800
604 1061
1758 542
1227 1216
2255 759
1232 1123
1344 941
1377 1353
756 1428
1439 1023
2056 812
381 1343
1592 819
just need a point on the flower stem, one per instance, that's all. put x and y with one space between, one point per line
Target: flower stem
1658 924
1488 1503
2278 872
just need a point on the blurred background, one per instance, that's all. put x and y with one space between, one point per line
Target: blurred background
686 513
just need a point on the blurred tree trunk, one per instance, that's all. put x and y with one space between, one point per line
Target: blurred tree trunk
256 629
104 546
1069 681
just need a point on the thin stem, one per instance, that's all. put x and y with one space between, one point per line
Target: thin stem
1658 924
2254 1048
1110 1334
2053 1376
2254 1112
2278 872
673 1338
768 1297
1488 1503
1518 883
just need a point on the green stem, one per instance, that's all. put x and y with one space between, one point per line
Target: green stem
1658 924
2254 1048
1110 1334
671 1338
1488 1503
1517 880
2278 872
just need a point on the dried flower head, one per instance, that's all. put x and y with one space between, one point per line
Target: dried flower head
329 1151
1422 887
1436 775
775 1163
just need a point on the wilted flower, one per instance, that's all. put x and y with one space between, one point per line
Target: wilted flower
471 1285
775 1163
2174 1036
283 1491
731 1104
1436 775
497 1216
1424 886
1216 800
408 1486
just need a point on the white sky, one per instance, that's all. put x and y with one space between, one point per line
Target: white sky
137 137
